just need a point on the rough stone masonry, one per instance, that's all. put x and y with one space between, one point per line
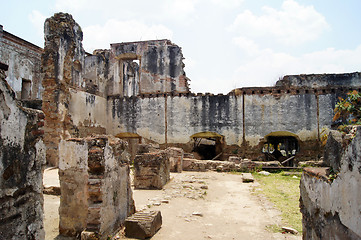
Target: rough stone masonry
22 156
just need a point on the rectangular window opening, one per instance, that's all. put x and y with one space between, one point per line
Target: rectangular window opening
25 89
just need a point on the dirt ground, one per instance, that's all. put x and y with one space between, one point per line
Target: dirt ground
199 205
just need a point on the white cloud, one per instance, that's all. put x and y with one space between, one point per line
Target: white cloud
180 11
228 3
294 24
247 45
266 66
77 5
189 63
114 31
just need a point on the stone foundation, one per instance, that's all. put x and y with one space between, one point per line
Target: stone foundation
152 170
244 165
95 186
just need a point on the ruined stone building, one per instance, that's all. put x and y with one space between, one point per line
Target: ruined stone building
23 59
139 88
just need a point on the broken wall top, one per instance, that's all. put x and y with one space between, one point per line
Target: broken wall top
321 80
63 57
161 65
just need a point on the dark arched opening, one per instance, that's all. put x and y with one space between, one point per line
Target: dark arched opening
281 146
208 145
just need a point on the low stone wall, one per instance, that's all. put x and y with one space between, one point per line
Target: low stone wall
331 209
244 165
95 186
22 156
152 170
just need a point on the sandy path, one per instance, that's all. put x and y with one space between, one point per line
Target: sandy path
227 207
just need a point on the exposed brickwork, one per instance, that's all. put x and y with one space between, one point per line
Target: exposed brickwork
62 52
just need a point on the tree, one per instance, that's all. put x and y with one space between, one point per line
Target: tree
349 109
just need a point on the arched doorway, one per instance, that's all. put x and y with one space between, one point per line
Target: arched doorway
208 145
281 146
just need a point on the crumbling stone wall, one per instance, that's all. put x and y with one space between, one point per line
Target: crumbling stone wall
148 67
24 60
95 185
321 80
22 155
70 111
332 209
244 116
151 170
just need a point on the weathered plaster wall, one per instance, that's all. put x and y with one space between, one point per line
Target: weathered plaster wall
24 60
160 67
118 201
282 112
87 113
332 210
95 185
73 176
97 73
243 117
22 156
144 116
179 116
187 115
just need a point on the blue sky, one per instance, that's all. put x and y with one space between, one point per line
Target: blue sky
226 43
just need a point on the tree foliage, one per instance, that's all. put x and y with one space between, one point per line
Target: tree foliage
349 109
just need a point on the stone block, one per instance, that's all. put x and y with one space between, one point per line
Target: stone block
193 165
152 170
143 225
247 177
333 150
235 159
175 158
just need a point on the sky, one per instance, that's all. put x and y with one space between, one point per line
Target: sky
226 44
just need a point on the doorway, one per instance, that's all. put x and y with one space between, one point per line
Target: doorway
208 145
281 146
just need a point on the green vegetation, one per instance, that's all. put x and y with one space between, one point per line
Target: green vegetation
349 108
284 192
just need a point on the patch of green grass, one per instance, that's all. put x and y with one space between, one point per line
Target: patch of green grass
273 228
284 192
